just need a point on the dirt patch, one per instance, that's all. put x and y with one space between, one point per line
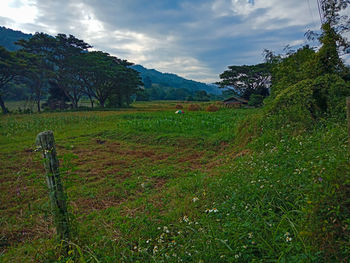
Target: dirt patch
87 205
242 153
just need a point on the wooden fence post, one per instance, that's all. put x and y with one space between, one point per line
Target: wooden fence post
348 115
46 143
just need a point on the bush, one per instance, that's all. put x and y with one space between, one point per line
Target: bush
212 108
312 98
194 107
179 106
255 100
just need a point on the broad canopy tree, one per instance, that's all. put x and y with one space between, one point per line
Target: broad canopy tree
41 68
246 80
12 64
66 63
65 52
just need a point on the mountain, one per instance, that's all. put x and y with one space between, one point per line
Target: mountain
9 36
174 81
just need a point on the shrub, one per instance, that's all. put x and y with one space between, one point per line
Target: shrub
179 106
212 108
255 100
312 98
194 107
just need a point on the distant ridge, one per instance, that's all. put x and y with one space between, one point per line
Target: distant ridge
174 81
9 36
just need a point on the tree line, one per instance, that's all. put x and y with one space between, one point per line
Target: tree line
64 66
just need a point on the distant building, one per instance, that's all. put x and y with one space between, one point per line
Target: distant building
235 102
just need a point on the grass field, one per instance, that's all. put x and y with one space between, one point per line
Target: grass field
147 185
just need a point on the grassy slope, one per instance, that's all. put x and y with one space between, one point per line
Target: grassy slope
148 185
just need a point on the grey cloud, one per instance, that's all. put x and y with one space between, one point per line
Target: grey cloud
193 38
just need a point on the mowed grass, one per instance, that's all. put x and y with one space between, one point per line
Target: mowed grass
147 185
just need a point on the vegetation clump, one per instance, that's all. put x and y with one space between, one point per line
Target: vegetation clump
194 107
212 108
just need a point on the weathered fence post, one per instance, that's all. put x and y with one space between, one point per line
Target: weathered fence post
348 115
46 143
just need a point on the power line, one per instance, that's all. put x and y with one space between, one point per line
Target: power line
320 12
311 13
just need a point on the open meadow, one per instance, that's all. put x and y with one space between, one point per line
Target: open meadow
147 185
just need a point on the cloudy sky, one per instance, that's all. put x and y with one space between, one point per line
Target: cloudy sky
196 39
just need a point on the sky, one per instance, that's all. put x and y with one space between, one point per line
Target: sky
196 39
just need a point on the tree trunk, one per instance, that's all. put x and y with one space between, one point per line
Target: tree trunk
38 104
91 101
120 101
3 107
102 103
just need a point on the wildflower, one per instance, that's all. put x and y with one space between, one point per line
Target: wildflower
236 256
185 219
165 229
195 199
155 249
148 240
288 239
250 235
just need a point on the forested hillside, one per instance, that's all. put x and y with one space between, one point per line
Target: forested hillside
174 81
8 37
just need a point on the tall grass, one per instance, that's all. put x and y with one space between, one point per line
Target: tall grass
226 186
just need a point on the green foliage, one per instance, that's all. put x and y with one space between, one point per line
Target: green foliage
255 100
288 71
328 60
247 80
12 64
307 85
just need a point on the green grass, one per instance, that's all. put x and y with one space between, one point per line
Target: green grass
147 185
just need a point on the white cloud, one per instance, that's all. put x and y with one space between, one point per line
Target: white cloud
187 67
193 38
18 12
275 14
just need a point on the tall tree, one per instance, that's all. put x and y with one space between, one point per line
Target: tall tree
12 64
42 45
247 80
65 53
